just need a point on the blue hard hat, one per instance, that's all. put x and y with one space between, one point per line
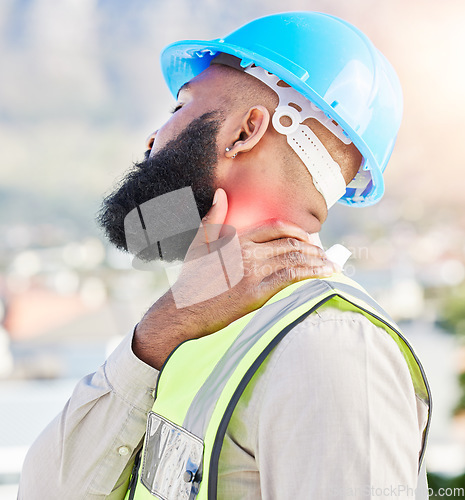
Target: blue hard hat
331 63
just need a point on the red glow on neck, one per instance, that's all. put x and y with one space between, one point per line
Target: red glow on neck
247 208
245 211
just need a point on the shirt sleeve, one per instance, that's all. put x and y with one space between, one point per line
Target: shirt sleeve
88 450
338 417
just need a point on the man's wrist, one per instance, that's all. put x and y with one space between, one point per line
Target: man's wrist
160 331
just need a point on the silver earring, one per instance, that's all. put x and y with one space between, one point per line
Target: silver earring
233 156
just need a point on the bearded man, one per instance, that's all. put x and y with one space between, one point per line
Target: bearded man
277 386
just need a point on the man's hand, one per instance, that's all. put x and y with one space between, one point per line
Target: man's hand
274 254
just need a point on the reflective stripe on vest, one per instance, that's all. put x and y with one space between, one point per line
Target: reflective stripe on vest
203 379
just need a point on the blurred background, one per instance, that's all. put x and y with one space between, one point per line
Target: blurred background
81 89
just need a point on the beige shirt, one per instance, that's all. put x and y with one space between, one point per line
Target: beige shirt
332 416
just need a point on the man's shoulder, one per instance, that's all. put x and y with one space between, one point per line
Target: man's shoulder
334 340
325 364
330 326
331 354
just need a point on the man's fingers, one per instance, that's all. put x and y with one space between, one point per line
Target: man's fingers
275 248
291 260
285 276
287 245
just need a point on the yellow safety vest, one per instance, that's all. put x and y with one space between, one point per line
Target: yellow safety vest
203 379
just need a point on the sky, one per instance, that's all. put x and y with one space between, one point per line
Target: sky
81 89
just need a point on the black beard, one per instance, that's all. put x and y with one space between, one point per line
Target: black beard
189 160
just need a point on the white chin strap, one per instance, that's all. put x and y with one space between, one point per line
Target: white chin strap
293 106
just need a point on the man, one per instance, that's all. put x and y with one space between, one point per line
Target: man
286 387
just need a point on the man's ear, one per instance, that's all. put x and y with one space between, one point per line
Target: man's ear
252 128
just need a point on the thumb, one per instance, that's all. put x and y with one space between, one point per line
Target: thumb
219 209
212 223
